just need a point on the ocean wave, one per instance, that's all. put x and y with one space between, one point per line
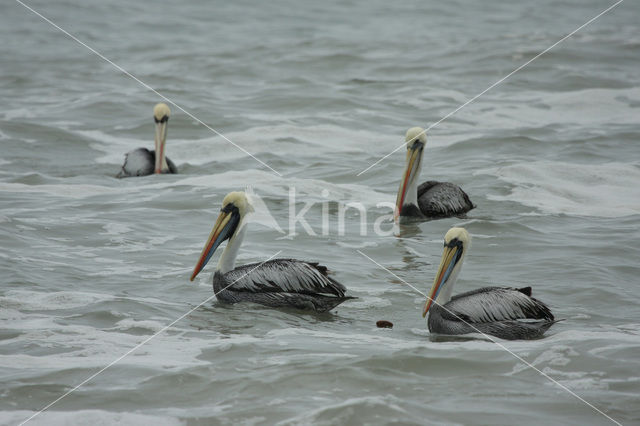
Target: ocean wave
307 141
604 190
86 418
41 301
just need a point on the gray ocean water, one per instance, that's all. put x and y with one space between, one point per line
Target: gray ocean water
92 265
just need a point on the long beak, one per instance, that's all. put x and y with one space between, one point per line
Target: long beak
223 229
161 138
413 157
448 262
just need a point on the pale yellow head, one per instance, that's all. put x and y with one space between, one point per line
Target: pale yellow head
415 134
459 234
160 111
240 200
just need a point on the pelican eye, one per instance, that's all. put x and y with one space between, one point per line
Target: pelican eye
417 144
454 243
164 119
229 208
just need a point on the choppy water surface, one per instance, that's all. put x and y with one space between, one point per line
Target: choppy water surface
92 265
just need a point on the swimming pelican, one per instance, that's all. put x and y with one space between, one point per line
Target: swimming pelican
141 161
505 312
431 200
276 283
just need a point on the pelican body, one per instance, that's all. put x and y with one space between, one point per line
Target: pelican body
505 312
275 283
141 161
432 199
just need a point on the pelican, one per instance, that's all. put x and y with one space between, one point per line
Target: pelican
505 312
141 161
276 283
430 200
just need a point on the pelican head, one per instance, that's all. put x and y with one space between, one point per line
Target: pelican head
161 113
415 139
235 207
457 242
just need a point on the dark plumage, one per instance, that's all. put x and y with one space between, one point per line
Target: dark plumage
442 199
141 162
281 283
504 312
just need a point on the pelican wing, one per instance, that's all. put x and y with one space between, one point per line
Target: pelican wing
284 275
139 162
172 166
442 199
491 304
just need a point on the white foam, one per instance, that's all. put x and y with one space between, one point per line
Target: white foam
115 229
558 355
280 138
70 191
605 190
86 417
39 301
19 113
341 411
300 358
267 183
566 109
129 324
114 148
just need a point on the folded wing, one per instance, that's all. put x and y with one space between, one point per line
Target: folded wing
492 304
284 275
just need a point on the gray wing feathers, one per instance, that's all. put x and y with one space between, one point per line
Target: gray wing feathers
491 304
437 199
141 162
284 275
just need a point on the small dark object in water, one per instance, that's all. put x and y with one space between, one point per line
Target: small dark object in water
384 324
